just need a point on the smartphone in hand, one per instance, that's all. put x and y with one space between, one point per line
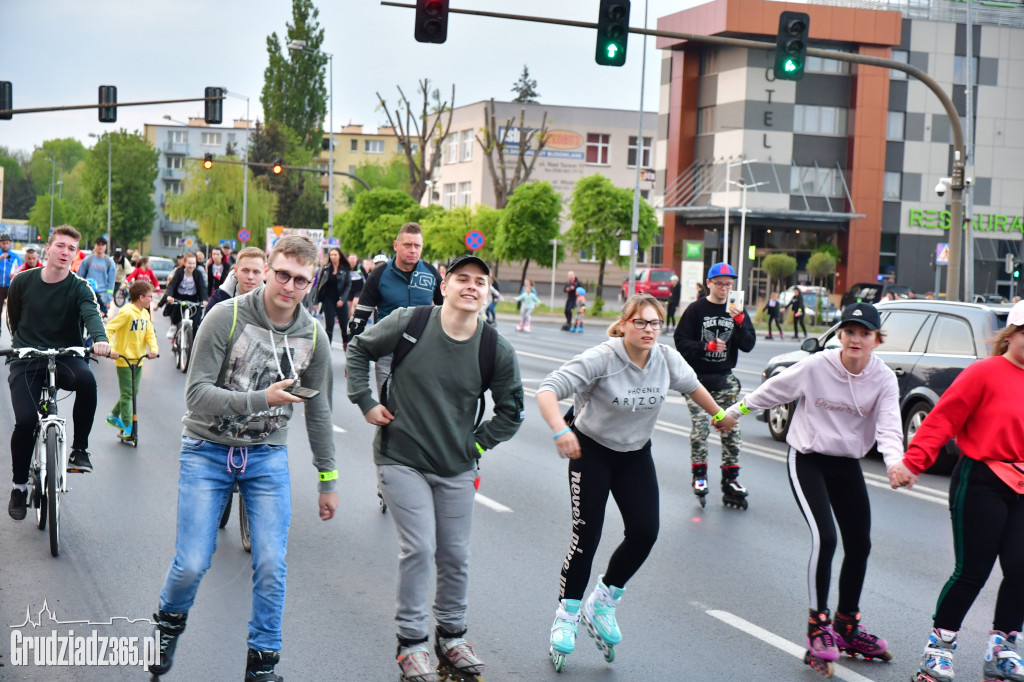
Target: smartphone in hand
736 299
301 391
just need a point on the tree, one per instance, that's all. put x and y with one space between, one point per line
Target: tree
602 216
308 210
444 233
68 152
525 88
393 175
19 194
371 225
527 224
39 216
779 266
213 199
133 172
528 143
293 86
821 265
419 132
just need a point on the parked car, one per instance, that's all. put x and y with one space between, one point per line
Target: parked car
873 292
990 298
927 344
162 268
829 311
654 281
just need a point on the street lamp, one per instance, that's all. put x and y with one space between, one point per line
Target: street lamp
300 46
743 228
107 135
554 266
728 181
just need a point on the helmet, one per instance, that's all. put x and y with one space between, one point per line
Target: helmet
5 237
580 291
380 258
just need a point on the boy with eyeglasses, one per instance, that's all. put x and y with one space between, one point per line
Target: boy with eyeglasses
251 354
710 334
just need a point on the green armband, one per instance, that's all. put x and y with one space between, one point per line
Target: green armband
720 416
329 475
743 408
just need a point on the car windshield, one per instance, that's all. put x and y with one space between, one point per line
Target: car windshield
661 275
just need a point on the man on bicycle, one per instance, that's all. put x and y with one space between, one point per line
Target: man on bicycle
250 354
47 308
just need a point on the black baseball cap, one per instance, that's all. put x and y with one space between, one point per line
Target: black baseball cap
466 260
100 240
864 314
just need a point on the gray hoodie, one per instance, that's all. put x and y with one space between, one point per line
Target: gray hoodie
617 403
238 353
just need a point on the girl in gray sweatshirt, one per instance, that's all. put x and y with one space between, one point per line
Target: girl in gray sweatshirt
619 388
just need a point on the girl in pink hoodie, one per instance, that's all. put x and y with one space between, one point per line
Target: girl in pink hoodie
848 400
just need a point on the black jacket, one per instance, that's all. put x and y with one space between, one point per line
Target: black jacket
179 275
342 281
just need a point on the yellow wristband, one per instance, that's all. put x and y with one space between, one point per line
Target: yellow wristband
720 416
329 475
743 408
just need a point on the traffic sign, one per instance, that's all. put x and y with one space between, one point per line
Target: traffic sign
942 254
474 240
243 235
189 242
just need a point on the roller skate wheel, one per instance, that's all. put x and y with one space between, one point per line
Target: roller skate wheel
609 654
824 667
557 659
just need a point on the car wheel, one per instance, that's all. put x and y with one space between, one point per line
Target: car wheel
779 418
946 460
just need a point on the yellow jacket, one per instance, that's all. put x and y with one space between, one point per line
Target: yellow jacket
131 332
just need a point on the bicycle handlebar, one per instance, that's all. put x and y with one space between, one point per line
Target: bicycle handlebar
22 353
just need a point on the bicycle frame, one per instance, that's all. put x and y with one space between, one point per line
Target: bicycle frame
47 410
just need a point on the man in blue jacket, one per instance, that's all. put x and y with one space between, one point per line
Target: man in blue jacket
9 264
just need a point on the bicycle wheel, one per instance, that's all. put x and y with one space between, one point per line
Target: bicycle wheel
184 344
37 499
243 525
53 473
121 296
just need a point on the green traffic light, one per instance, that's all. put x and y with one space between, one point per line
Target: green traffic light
611 50
790 66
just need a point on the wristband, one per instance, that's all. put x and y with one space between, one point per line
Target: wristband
561 433
720 416
329 475
739 318
743 408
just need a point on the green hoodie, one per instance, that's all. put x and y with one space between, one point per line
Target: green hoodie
232 365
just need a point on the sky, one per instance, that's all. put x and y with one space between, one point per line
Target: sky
57 52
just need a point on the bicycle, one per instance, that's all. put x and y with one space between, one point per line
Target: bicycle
134 364
121 295
243 520
47 473
181 344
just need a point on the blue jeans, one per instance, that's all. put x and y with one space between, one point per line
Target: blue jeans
208 475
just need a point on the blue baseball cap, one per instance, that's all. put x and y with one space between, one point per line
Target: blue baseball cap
721 270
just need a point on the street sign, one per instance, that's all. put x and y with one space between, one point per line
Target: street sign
228 242
243 235
474 240
942 254
189 242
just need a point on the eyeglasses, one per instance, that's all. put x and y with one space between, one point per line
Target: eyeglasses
283 277
722 284
640 323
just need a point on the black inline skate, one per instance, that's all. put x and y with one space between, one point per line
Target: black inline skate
169 627
733 494
259 666
700 482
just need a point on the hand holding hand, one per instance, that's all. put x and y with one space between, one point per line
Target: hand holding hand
378 415
900 475
728 423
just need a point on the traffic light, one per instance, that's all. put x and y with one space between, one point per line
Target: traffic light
431 21
214 113
208 161
1016 269
108 104
612 32
791 46
277 167
6 100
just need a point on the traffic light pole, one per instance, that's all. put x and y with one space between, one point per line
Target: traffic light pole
72 107
956 188
302 169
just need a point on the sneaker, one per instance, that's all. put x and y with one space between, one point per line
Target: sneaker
17 507
79 462
172 331
126 432
115 421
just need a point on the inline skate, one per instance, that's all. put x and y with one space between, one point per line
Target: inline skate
700 482
599 617
1002 661
259 666
821 643
937 659
563 632
733 494
853 639
169 627
455 657
413 660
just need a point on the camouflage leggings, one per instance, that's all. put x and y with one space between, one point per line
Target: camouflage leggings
700 427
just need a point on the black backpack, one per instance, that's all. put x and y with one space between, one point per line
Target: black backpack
488 351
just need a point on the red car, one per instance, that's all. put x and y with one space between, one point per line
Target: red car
654 281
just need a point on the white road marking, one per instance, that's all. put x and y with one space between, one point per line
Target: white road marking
491 504
779 642
338 429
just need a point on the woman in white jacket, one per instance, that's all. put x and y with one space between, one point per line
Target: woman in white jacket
848 400
619 388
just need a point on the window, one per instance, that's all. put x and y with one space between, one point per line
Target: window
899 56
467 145
465 193
449 195
451 149
175 162
705 120
811 181
817 120
353 145
894 125
901 328
597 148
211 139
951 336
373 146
891 186
169 241
172 188
178 136
960 70
708 61
645 157
414 145
820 65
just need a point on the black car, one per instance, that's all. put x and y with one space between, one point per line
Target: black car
927 345
873 292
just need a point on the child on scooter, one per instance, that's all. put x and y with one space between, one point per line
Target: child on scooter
131 335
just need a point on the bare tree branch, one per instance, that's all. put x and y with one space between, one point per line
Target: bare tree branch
494 143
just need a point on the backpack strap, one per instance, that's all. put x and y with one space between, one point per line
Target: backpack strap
488 352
